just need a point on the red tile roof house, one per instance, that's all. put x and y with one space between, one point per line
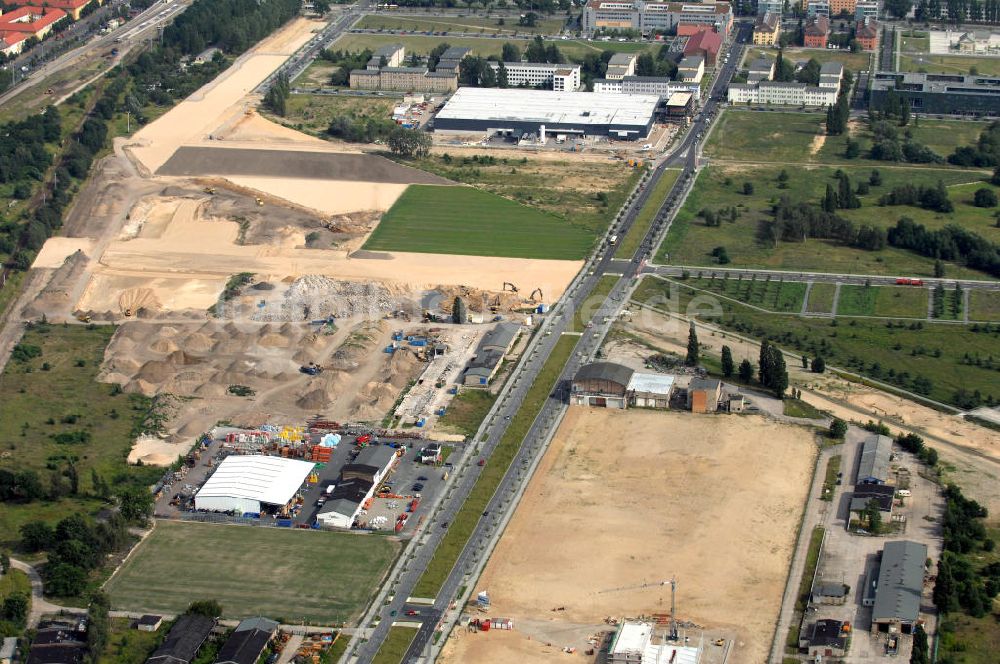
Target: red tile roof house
817 32
706 44
71 7
20 25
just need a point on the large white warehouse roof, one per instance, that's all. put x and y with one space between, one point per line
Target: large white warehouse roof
549 107
264 479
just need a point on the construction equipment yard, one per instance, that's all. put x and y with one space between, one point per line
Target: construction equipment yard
625 500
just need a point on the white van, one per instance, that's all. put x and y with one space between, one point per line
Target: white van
904 493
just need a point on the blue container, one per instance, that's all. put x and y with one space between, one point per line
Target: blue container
453 390
251 515
284 523
542 308
421 421
418 342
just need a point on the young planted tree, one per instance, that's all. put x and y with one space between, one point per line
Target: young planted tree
692 348
728 367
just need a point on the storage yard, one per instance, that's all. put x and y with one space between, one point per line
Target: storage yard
691 487
318 577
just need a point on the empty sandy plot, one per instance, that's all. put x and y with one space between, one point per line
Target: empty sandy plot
331 197
626 498
215 104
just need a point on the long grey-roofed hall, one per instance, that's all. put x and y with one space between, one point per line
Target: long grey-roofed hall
543 112
899 588
601 384
875 457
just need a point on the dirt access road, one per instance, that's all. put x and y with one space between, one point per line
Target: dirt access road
627 498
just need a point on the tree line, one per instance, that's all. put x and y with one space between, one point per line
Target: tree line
985 153
951 243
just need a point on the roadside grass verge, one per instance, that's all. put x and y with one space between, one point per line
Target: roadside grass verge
468 221
984 305
885 301
628 245
394 647
830 479
778 296
799 408
812 559
583 315
461 528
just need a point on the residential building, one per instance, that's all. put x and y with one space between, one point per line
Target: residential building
58 642
761 69
650 17
899 588
73 8
703 395
451 59
866 32
393 54
767 29
404 79
247 642
875 457
21 24
825 639
781 93
183 641
864 494
706 44
866 10
647 85
558 77
818 8
621 65
944 94
830 75
515 112
817 32
494 345
691 69
770 7
841 8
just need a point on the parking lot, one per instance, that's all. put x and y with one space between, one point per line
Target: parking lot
848 558
409 479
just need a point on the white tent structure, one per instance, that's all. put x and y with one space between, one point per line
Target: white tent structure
244 483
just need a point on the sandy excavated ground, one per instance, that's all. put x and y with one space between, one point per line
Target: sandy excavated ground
627 498
973 451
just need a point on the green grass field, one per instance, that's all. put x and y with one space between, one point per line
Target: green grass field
934 351
395 645
465 521
58 393
766 294
628 245
984 305
914 42
821 298
799 408
720 186
314 113
949 64
317 75
127 645
485 25
852 61
319 577
466 411
885 301
465 220
574 49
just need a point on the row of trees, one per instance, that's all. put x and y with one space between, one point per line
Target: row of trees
927 197
951 243
231 25
797 222
960 586
838 114
771 370
888 145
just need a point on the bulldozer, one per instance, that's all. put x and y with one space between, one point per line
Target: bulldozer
209 190
83 318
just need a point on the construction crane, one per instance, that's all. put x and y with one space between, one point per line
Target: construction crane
509 286
673 636
540 296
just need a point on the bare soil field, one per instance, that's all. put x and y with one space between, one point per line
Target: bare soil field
623 499
189 160
973 450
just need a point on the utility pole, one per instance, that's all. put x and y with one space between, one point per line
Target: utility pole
673 609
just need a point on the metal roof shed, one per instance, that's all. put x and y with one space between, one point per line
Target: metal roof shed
900 585
874 468
244 483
